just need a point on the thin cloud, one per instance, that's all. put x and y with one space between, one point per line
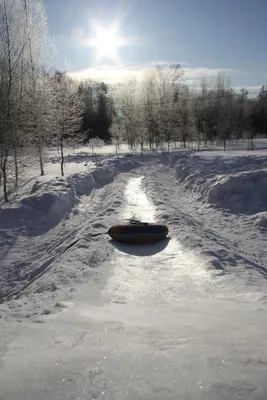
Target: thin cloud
206 72
248 87
120 73
111 75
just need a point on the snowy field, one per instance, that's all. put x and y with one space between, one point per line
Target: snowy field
182 319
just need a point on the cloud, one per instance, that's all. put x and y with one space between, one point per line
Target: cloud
250 88
206 72
117 74
111 75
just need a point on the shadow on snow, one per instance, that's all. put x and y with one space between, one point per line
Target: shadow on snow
141 250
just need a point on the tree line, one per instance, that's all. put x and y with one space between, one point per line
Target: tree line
40 106
163 108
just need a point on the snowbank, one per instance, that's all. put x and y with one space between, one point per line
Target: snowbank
238 184
242 192
80 157
260 220
49 202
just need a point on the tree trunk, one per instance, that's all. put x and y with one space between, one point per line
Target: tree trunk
224 145
62 157
4 170
16 167
1 169
41 162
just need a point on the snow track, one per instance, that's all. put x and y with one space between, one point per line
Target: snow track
156 274
151 322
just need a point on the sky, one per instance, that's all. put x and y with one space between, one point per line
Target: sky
204 36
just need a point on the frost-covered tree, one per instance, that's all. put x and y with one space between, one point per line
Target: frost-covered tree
68 109
149 99
39 52
161 108
95 142
116 133
147 108
12 44
23 56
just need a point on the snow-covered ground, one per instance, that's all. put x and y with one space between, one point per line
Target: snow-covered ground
181 319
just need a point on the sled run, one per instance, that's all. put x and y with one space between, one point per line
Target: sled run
181 318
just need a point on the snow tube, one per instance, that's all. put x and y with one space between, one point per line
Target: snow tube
138 232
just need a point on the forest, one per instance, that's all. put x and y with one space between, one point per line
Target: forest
41 106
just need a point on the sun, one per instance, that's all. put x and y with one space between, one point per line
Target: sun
107 43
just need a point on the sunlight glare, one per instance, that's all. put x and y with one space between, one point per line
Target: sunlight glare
107 42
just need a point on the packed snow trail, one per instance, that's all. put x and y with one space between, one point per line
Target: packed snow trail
152 279
150 328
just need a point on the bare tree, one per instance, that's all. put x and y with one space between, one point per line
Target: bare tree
12 41
186 122
149 97
40 99
159 93
161 108
23 54
67 112
116 133
241 113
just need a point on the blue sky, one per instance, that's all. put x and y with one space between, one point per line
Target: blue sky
205 35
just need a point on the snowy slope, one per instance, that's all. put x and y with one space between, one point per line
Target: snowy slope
185 318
